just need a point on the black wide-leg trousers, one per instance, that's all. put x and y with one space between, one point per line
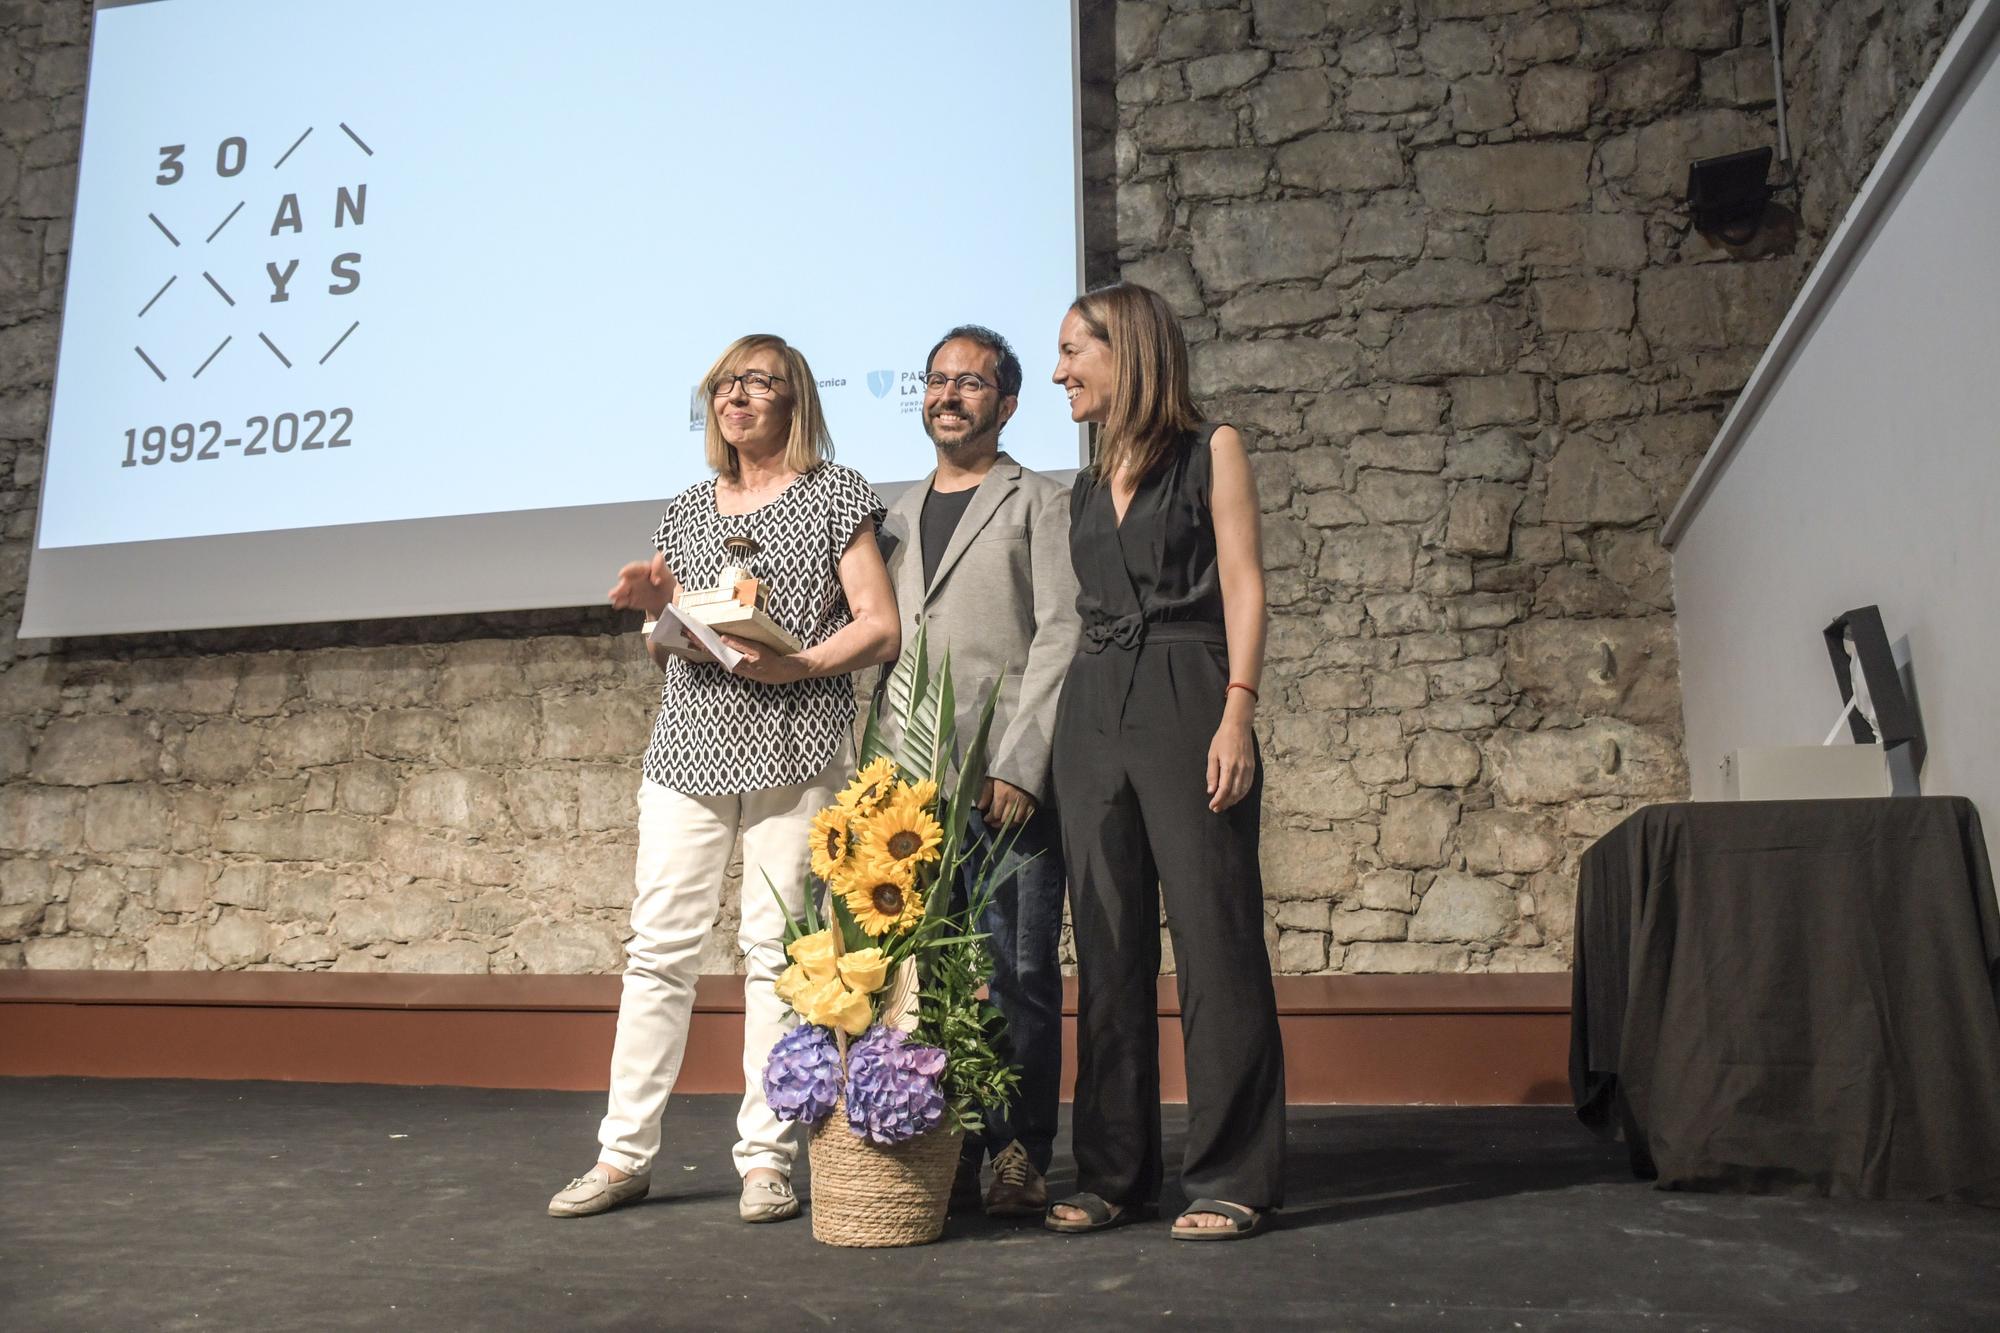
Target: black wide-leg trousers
1130 762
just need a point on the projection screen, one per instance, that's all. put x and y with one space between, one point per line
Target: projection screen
380 309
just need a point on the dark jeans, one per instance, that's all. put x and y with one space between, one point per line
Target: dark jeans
1024 925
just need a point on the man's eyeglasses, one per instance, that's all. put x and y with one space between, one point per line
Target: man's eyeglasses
970 385
755 383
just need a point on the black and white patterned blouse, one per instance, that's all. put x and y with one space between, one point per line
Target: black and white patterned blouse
717 732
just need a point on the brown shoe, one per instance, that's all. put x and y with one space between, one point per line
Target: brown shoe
1018 1190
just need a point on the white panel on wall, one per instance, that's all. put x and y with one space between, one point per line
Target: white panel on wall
1862 464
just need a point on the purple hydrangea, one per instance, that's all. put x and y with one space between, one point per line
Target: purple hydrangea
802 1077
892 1086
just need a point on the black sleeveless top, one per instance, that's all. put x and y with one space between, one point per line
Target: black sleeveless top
1158 567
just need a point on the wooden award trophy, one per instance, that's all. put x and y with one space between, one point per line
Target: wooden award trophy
734 606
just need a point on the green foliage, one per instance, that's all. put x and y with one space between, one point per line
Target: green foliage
953 967
957 808
952 958
795 928
852 936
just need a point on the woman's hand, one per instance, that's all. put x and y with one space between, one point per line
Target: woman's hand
643 585
1232 761
765 665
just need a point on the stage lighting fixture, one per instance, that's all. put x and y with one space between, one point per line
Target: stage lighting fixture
1727 195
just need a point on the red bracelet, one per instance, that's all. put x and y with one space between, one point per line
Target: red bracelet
1239 685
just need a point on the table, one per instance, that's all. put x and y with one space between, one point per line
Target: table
1793 996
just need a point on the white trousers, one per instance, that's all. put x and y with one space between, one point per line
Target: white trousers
684 847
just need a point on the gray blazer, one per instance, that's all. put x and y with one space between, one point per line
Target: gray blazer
1004 601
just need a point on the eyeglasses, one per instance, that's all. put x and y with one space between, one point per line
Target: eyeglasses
755 383
968 384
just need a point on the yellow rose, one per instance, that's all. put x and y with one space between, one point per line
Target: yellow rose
791 983
847 1011
814 953
832 1005
814 998
864 970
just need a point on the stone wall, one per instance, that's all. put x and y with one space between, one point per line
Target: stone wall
1851 68
1429 255
1432 256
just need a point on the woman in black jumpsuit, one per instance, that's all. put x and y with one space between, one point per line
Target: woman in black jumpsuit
1158 784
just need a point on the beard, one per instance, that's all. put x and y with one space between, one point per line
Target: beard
982 429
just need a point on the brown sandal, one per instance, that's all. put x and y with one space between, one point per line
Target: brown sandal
1243 1222
1098 1215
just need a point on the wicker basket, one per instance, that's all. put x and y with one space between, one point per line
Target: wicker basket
864 1195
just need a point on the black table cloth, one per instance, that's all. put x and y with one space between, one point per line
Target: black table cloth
1798 996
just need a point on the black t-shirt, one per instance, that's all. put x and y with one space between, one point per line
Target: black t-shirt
942 511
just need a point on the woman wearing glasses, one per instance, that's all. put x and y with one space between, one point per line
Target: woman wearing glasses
759 749
1158 783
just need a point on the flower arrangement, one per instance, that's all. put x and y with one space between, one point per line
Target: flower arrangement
886 979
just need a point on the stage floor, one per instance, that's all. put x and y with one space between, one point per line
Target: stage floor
185 1205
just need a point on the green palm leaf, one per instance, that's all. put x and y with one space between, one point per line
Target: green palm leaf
947 714
852 936
912 693
973 771
873 747
922 702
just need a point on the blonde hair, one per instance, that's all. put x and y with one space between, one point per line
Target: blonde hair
809 445
1151 407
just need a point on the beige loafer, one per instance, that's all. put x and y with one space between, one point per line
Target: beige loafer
595 1192
766 1200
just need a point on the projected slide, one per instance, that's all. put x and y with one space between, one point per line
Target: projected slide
360 261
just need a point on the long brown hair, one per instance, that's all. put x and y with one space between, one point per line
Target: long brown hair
1151 407
808 445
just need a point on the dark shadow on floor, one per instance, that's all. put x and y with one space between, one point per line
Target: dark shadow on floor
1346 1166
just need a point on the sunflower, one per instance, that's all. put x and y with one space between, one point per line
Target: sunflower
881 895
923 793
832 840
903 833
869 787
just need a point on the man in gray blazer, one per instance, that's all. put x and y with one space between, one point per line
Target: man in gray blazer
979 555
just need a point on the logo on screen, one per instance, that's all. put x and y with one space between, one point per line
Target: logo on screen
262 264
880 382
